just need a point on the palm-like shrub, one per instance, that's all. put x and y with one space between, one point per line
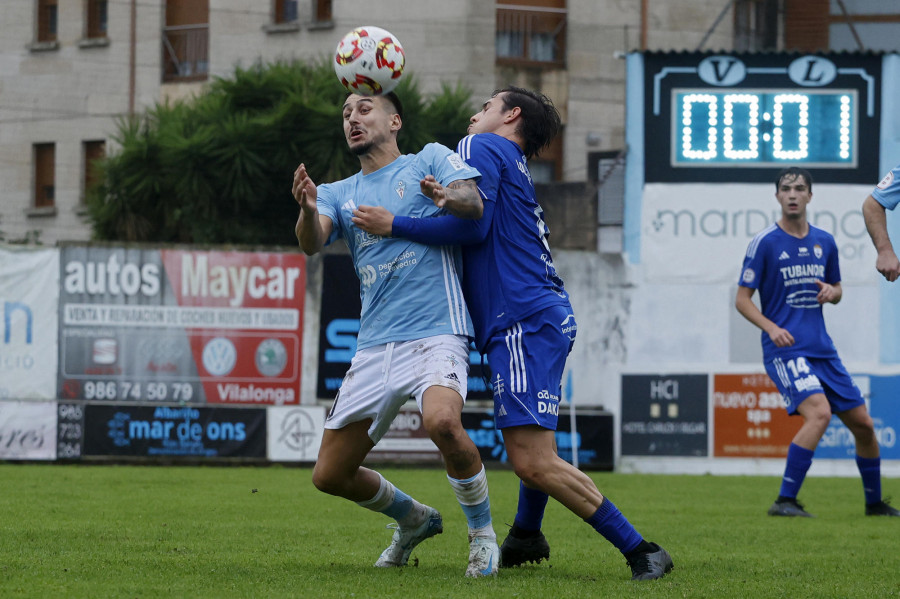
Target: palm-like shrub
218 168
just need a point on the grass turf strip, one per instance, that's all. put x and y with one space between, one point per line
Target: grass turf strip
138 531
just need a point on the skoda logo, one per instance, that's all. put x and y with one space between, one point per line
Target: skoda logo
271 357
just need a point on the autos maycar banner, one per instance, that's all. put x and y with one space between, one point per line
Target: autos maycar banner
140 324
29 289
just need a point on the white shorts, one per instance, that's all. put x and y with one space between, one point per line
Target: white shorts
384 377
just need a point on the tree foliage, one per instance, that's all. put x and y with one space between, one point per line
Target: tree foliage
218 168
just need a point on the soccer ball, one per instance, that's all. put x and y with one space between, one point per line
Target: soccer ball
369 61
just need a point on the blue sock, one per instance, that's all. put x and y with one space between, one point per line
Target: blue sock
532 503
400 506
799 459
610 523
870 470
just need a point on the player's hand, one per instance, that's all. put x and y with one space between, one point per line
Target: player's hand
888 265
781 337
376 220
304 190
827 293
434 190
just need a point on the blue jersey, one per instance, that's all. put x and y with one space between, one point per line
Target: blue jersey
887 193
408 290
508 271
785 269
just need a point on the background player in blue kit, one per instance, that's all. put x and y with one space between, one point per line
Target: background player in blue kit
414 328
795 267
523 322
885 196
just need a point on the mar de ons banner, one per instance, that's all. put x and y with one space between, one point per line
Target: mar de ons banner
171 325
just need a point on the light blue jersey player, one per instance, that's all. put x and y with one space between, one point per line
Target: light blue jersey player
408 290
414 328
523 322
885 196
795 267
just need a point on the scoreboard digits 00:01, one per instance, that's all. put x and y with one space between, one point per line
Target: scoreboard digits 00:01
766 127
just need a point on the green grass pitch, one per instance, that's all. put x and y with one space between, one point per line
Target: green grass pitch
142 531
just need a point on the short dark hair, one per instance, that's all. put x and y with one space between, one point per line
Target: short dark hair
540 120
794 171
395 100
391 97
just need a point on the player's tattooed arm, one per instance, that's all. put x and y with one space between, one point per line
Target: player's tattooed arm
460 198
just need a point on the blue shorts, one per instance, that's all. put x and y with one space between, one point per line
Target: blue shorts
797 378
527 362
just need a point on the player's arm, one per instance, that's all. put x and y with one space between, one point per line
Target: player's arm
459 198
440 230
876 224
744 304
312 229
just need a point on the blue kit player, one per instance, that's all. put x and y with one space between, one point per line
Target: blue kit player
523 322
795 267
414 328
885 196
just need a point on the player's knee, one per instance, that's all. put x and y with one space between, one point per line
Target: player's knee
531 473
444 429
325 482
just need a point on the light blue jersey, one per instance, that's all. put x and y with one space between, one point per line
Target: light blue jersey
887 193
408 290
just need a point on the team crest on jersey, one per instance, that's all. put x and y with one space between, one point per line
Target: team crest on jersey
886 182
456 162
400 189
748 275
817 250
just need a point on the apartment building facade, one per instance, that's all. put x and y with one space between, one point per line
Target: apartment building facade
71 69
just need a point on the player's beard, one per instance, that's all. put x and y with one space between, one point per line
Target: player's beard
362 149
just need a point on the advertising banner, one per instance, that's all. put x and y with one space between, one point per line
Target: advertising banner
182 326
593 438
69 430
294 433
406 440
27 430
710 236
29 292
882 393
339 327
186 432
749 418
665 415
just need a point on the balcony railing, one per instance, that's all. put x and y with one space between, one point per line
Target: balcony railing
185 52
527 35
